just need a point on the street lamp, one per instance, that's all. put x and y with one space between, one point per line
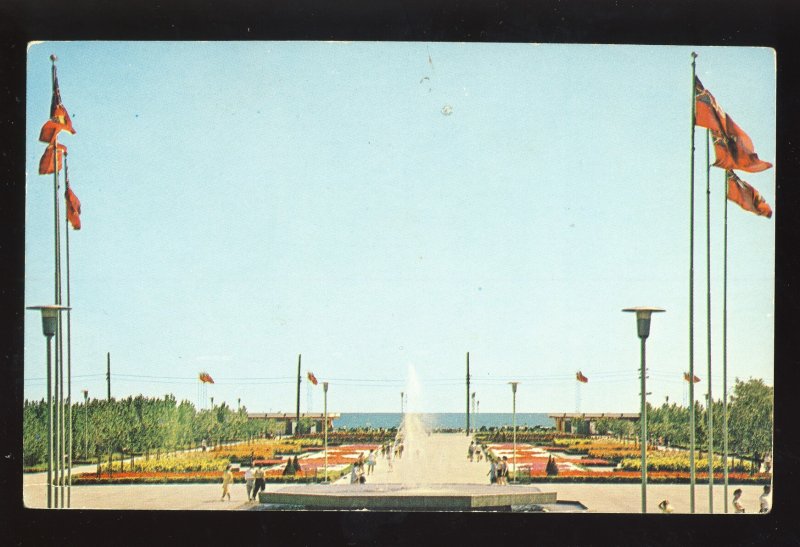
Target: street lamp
325 405
514 422
86 424
643 330
473 412
49 323
402 399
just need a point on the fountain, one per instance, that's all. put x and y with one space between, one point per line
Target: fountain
413 482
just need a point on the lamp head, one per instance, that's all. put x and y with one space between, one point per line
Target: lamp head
643 314
325 387
49 317
514 386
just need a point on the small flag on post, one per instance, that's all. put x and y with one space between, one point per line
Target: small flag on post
73 208
686 377
46 161
206 378
747 197
312 378
59 118
581 378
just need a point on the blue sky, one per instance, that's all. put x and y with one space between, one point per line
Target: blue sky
383 208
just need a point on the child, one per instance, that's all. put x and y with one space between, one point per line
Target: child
737 502
763 500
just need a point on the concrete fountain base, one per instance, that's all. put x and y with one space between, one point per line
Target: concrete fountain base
398 497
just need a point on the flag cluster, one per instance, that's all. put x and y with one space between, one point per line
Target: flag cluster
686 377
312 378
54 158
205 378
733 149
581 378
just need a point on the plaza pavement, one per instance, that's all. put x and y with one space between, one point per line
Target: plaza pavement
438 458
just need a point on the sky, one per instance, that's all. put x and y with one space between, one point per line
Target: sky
384 208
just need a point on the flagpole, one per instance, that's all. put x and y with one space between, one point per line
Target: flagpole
725 349
691 299
710 409
69 350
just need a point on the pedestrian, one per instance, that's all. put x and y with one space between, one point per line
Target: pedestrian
502 471
665 507
227 479
259 484
763 500
471 451
249 482
354 474
492 471
479 453
737 501
370 462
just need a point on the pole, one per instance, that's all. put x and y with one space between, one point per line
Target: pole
402 409
325 390
467 394
691 300
477 410
514 424
108 374
297 429
643 420
710 410
86 425
49 426
725 352
69 353
473 412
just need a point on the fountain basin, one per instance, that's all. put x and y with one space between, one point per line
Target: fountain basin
400 497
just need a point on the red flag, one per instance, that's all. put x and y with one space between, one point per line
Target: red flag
734 149
686 377
206 378
581 378
707 112
312 378
46 161
747 197
59 117
73 208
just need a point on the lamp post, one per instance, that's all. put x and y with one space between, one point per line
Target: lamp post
86 424
477 409
402 399
49 322
514 422
643 330
325 405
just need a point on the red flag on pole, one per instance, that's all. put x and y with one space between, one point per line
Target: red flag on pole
206 378
747 197
59 118
46 161
73 208
686 377
581 378
733 148
312 378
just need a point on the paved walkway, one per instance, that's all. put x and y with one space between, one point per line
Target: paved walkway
438 458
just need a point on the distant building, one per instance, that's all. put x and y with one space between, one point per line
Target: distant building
585 422
289 420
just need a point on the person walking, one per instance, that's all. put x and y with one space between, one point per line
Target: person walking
371 462
502 471
492 471
471 451
259 484
737 501
227 479
249 482
763 500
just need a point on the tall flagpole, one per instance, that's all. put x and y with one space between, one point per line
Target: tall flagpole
69 351
710 409
725 350
467 394
691 299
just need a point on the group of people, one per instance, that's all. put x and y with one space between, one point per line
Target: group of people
357 474
254 482
738 507
475 452
498 470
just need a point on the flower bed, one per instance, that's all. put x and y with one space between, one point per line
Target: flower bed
631 477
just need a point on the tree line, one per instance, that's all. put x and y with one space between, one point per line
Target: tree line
139 425
750 422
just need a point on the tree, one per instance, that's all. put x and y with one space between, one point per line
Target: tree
751 418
